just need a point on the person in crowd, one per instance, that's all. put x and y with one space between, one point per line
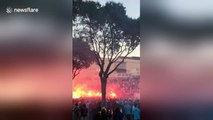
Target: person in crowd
97 111
127 110
136 112
77 113
109 114
84 111
104 114
118 115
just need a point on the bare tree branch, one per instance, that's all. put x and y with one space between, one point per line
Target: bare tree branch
123 58
76 72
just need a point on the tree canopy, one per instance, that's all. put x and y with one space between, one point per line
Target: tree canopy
82 56
111 34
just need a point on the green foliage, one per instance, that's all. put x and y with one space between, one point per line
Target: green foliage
82 56
108 30
110 33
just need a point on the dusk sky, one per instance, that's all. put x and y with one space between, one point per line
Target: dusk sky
132 6
133 10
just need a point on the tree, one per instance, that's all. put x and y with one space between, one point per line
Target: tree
111 34
82 56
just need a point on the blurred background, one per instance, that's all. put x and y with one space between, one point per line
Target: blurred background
35 60
176 62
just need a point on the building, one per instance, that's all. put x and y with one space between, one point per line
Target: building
129 68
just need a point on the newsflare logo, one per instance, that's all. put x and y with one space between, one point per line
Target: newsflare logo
21 10
9 10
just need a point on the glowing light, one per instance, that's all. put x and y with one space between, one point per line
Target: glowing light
82 92
75 95
113 95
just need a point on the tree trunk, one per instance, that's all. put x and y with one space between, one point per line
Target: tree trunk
103 90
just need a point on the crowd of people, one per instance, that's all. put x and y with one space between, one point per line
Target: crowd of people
115 109
129 86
